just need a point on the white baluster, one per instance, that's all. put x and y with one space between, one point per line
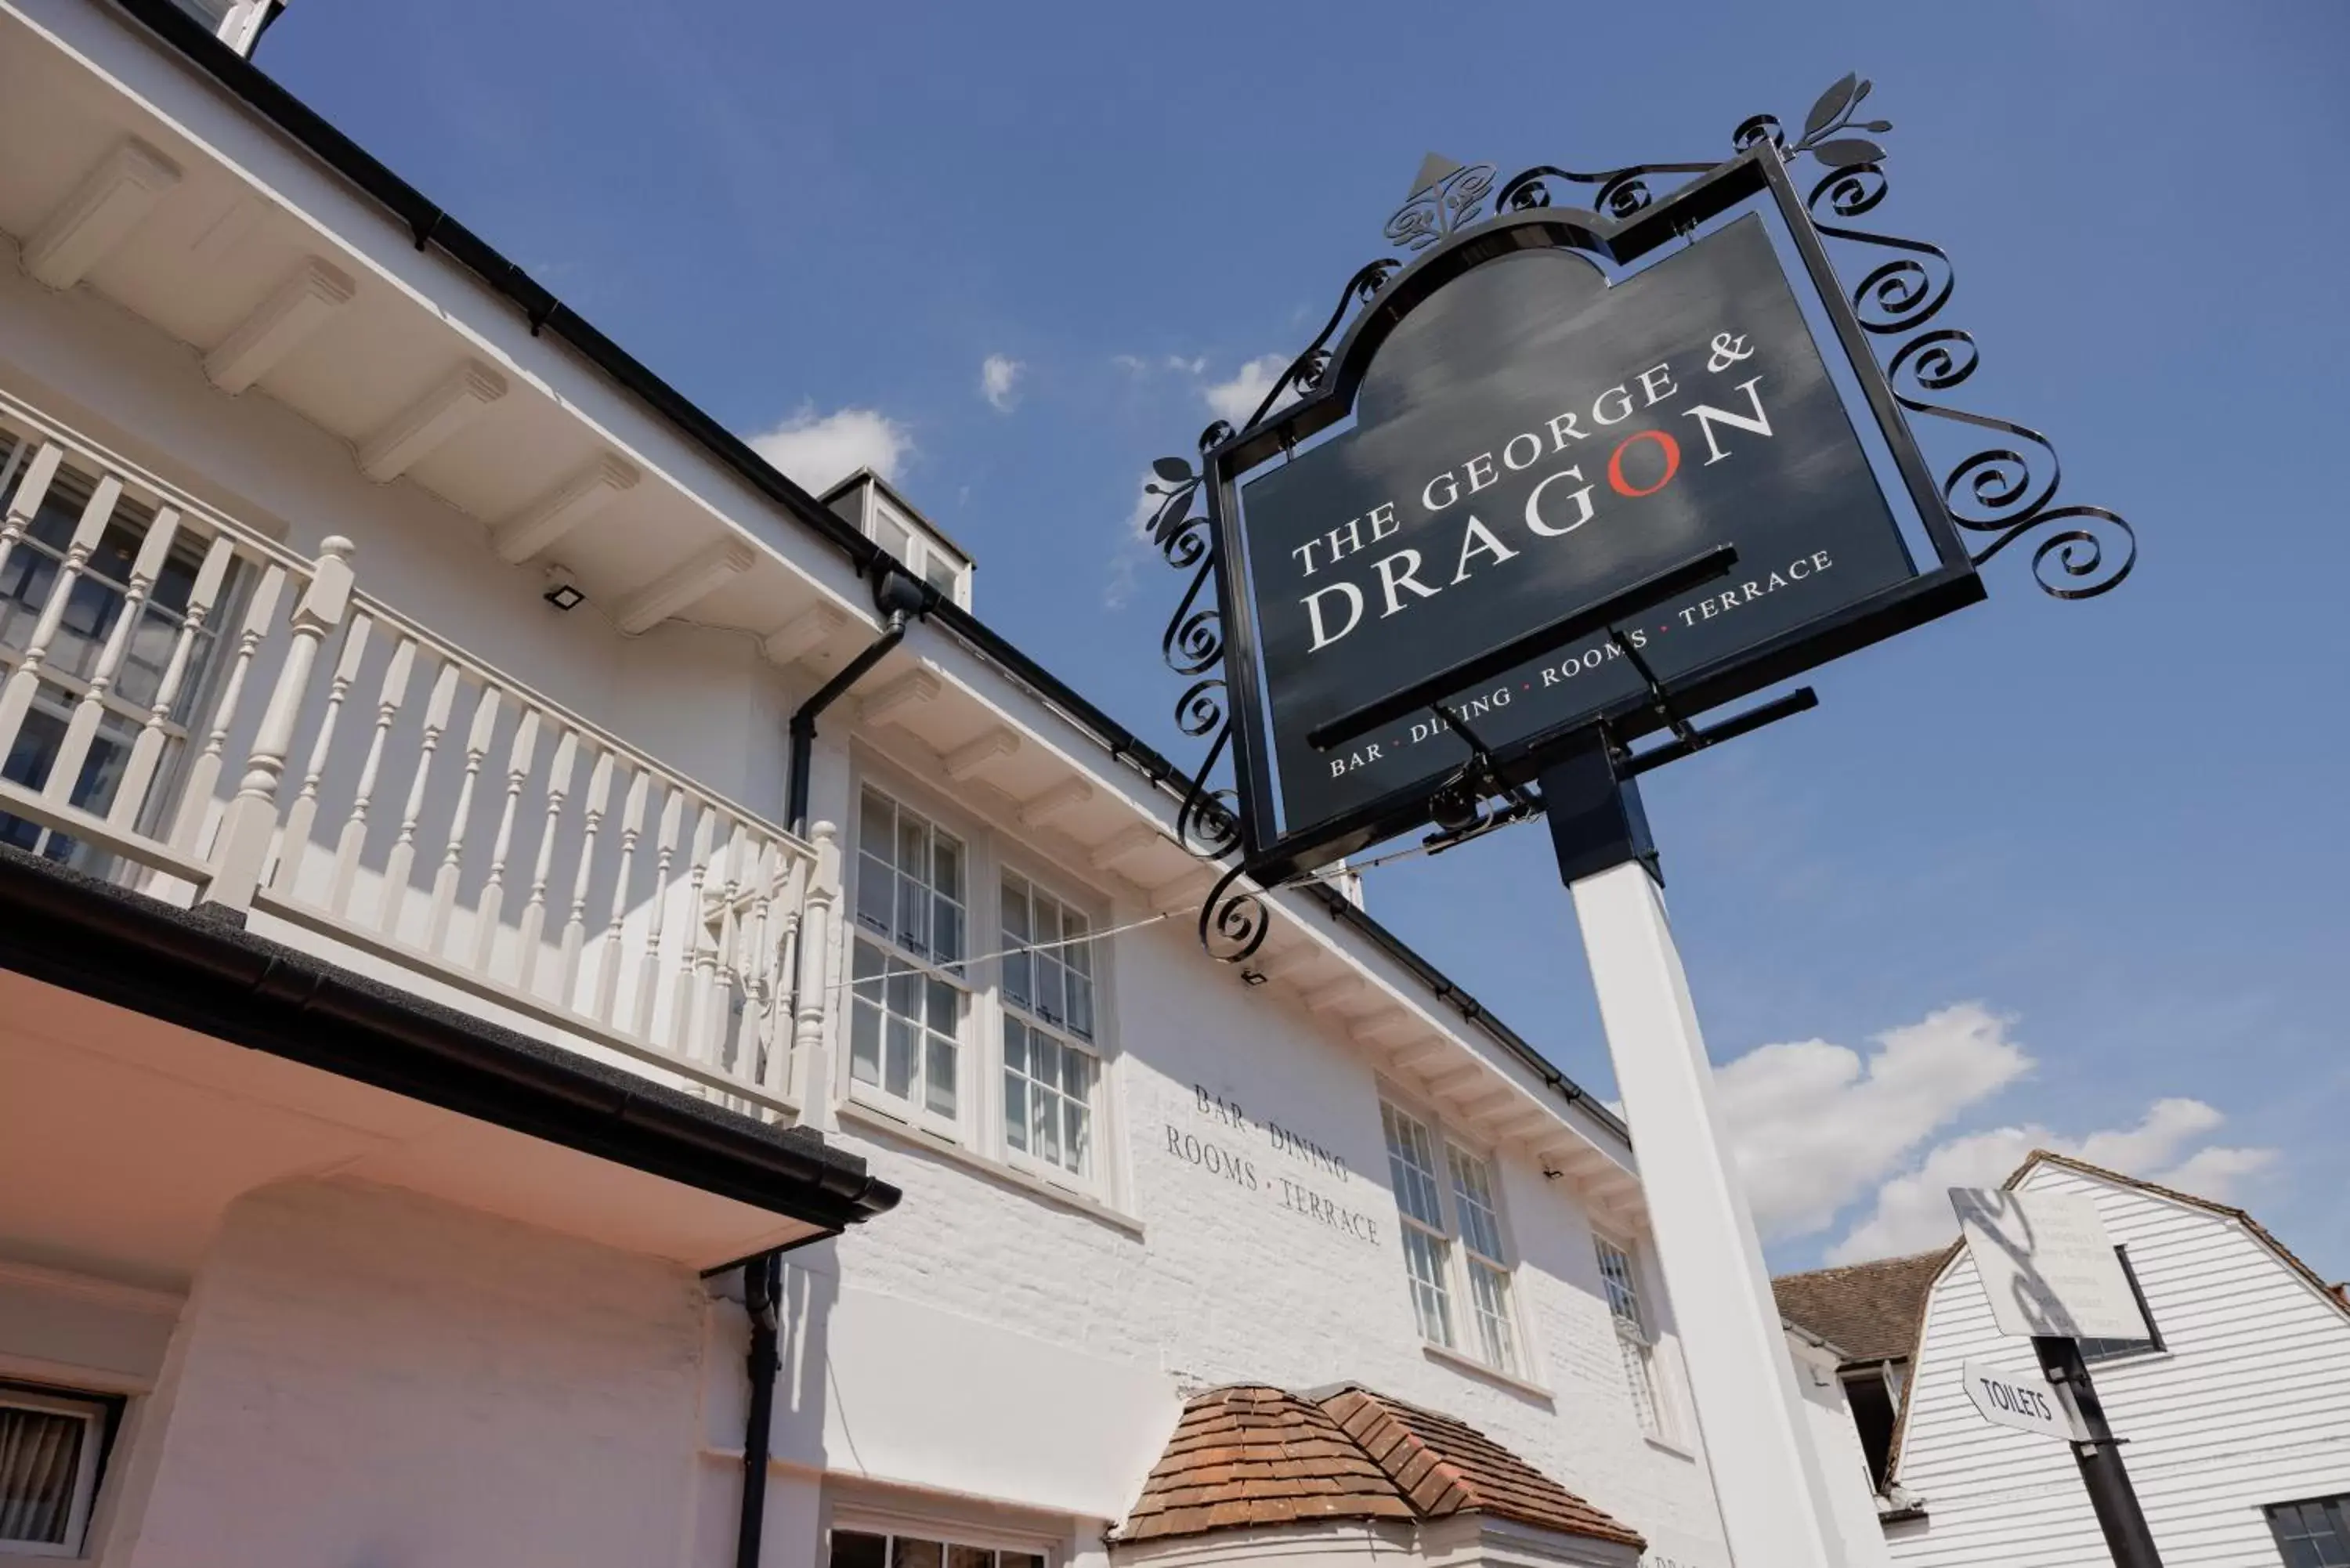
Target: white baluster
746 962
534 911
396 865
16 451
444 881
147 750
294 843
28 497
726 971
575 927
196 802
607 954
81 729
17 697
352 841
520 752
775 959
649 961
688 1016
810 1059
252 818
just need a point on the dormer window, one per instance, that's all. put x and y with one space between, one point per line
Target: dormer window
882 516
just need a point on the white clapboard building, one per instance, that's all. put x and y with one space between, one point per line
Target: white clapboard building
2234 1406
546 970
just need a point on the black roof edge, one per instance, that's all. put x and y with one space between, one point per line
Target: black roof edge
200 969
548 315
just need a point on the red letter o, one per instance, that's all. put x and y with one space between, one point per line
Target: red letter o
1616 463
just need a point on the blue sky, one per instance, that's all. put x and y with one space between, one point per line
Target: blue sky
2038 873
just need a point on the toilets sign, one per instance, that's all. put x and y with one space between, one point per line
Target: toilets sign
1534 432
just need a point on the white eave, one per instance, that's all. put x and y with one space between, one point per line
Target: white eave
204 227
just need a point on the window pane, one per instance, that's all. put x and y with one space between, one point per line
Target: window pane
946 875
1472 1192
865 1043
1076 1138
970 1557
941 1078
1424 1257
853 1548
1015 1045
1411 1163
1081 1004
1016 982
877 889
913 847
1489 1292
1015 1110
913 916
946 1007
40 1460
1048 1128
946 932
906 1553
877 827
898 1077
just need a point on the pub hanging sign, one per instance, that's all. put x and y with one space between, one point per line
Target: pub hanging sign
1545 409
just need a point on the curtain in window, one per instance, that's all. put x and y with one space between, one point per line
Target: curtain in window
40 1455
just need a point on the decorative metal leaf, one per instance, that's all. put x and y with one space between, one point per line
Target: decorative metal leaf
1833 102
1861 92
1878 126
1173 470
1846 150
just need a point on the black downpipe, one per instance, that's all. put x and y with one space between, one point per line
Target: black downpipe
762 1284
899 598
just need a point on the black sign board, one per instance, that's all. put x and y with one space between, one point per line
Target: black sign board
1530 439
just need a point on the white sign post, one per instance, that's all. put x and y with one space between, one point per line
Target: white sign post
2047 1264
2024 1400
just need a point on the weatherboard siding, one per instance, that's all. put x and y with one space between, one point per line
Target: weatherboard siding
2249 1403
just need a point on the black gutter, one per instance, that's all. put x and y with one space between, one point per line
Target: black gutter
202 970
762 1281
547 315
898 597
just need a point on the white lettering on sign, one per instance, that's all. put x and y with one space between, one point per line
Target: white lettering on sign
1637 464
2024 1400
2047 1264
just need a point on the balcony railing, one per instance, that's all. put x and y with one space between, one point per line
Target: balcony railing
189 708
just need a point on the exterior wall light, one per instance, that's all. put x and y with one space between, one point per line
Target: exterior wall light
561 591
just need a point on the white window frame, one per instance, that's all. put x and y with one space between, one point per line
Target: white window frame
990 856
898 961
1009 1013
93 1411
923 548
1462 1319
891 1526
1636 1334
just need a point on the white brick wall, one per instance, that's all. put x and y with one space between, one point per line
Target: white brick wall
1226 1283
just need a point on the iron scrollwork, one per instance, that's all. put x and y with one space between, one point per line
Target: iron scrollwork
1233 919
2002 492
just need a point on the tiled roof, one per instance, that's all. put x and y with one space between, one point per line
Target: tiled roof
1254 1455
1444 1467
1869 1311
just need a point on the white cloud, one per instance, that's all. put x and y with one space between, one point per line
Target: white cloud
1237 398
1197 366
1815 1124
818 450
998 375
1912 1211
1818 1128
1133 365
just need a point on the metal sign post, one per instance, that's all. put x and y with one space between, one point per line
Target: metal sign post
2098 1454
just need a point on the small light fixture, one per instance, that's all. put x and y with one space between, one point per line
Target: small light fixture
1252 977
561 591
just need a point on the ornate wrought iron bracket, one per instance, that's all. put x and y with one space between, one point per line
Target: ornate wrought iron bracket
2002 493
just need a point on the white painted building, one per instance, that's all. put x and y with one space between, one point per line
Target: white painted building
430 997
2235 1407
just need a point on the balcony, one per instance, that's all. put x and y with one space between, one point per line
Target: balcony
191 710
